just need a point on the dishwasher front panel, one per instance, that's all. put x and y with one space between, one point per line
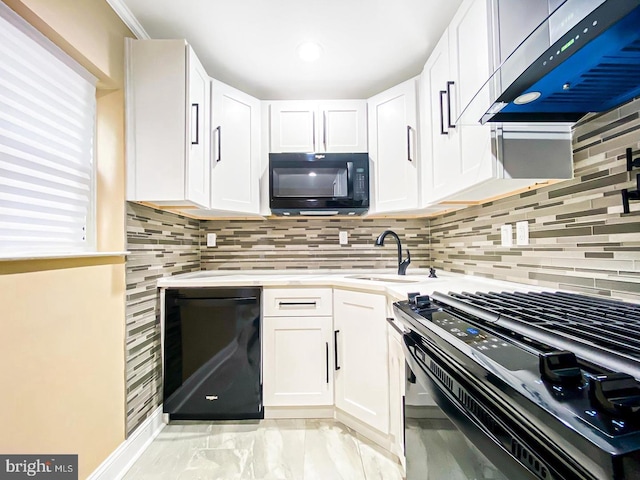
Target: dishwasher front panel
211 354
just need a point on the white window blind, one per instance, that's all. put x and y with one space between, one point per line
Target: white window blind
47 127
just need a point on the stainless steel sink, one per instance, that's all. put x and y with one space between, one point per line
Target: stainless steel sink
388 278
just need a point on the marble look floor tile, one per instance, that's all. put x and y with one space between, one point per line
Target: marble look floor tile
218 464
331 452
378 464
278 451
169 452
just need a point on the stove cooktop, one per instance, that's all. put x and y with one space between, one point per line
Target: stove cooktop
569 361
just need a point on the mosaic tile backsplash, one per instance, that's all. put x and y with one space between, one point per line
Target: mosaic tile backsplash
580 240
313 244
161 244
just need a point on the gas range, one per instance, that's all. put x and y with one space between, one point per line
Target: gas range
548 377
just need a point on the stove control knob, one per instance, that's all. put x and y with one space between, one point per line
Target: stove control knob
616 393
560 367
422 301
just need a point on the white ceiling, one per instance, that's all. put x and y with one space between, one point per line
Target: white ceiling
368 45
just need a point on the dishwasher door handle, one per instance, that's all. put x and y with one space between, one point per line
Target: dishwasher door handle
335 348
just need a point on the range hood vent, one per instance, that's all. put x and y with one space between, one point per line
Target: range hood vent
592 65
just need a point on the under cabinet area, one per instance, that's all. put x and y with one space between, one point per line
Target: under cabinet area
361 369
298 347
325 126
167 118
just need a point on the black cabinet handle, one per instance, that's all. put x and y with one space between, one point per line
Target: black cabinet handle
409 143
442 131
197 123
449 85
292 304
327 359
219 136
335 348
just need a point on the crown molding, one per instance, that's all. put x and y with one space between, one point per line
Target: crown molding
128 18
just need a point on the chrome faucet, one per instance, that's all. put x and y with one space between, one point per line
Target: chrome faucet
402 264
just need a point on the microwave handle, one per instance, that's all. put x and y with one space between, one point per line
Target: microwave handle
350 180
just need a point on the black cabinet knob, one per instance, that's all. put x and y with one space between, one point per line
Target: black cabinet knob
560 367
616 393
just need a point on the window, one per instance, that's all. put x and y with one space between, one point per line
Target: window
47 128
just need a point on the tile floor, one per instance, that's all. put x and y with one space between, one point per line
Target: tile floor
268 449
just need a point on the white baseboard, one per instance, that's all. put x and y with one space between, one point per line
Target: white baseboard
123 457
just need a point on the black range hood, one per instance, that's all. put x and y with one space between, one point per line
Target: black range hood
593 65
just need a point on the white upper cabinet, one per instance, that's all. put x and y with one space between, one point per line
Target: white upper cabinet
167 117
235 150
319 126
393 148
474 162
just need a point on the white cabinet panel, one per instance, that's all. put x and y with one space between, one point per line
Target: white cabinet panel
297 361
296 302
235 173
198 183
393 148
361 376
318 126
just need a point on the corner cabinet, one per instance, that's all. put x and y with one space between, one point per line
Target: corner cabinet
393 148
469 161
298 347
235 150
167 120
318 126
361 363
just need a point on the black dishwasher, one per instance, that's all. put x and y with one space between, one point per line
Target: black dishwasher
211 353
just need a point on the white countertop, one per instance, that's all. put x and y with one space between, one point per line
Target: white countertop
382 281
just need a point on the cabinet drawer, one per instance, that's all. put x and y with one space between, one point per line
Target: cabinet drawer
289 302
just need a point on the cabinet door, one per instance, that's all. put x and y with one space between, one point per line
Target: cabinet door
293 127
197 138
441 153
396 392
392 148
361 376
235 150
470 68
297 361
343 126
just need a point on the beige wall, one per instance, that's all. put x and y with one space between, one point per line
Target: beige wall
62 340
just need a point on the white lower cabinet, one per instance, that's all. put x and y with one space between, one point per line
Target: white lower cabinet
396 392
297 363
361 368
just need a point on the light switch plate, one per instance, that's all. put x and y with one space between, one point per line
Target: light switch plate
522 233
344 238
211 239
506 235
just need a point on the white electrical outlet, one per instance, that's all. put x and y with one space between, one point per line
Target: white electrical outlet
344 238
506 235
522 233
211 239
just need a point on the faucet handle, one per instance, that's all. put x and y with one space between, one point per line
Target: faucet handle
402 267
432 273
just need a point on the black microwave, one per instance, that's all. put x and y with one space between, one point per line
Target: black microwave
319 183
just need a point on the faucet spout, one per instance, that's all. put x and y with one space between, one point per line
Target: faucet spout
402 264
